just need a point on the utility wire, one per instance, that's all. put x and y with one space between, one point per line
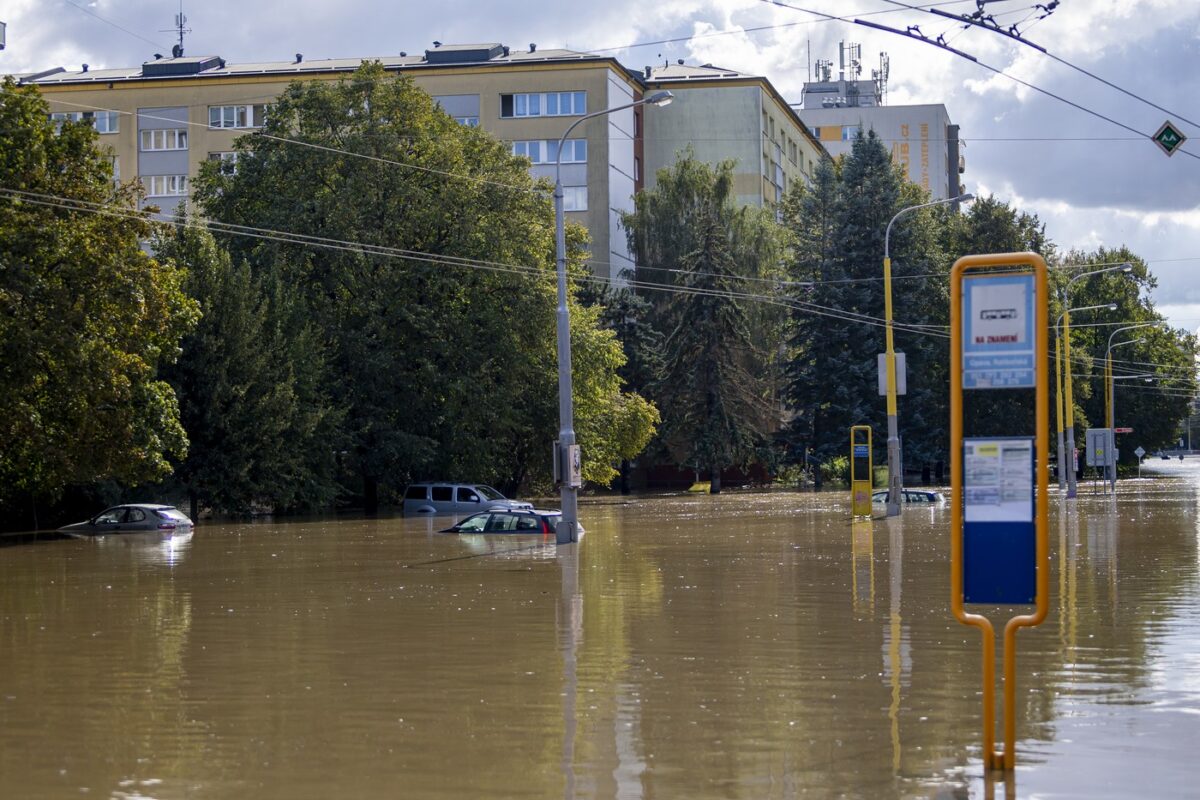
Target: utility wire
115 25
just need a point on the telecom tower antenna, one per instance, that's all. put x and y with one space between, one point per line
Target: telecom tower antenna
180 29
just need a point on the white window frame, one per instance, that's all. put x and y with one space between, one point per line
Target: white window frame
227 159
542 151
152 139
239 116
538 104
102 121
470 122
165 185
575 198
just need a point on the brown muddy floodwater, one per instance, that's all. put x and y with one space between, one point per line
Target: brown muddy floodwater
741 646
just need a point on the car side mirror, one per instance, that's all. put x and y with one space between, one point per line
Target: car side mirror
475 498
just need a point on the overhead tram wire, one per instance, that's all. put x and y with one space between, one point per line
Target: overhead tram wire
908 34
115 25
71 204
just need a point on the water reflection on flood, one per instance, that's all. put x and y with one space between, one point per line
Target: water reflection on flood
756 646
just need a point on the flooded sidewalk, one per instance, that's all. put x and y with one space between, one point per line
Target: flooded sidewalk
736 646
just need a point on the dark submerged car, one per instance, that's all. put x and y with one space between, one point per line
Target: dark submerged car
133 518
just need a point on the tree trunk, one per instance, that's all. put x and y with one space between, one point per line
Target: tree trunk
370 495
193 504
714 482
625 476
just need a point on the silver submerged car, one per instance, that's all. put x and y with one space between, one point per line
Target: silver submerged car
133 518
456 498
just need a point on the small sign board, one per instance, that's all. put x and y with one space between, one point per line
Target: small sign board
1168 138
998 333
1122 430
1140 452
901 374
999 537
1101 452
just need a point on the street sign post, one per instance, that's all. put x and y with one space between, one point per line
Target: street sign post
1140 453
999 543
1168 138
861 470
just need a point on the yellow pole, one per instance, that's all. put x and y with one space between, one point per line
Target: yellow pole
891 353
1070 402
1058 407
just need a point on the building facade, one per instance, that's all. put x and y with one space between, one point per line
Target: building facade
161 120
723 114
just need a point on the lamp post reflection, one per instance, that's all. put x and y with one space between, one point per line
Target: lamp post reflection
570 631
862 565
899 657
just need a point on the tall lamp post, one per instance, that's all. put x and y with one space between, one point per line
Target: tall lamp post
1062 453
1069 398
568 454
895 479
1109 410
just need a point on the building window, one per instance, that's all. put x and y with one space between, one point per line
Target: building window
227 161
237 116
574 198
169 139
470 122
165 185
851 132
543 104
545 151
102 121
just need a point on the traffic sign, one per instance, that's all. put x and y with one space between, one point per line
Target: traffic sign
1169 138
1140 452
1122 430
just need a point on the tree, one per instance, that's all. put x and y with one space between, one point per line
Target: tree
838 226
252 389
432 285
717 386
87 318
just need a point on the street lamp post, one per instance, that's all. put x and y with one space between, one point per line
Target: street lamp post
1109 407
895 479
1062 455
1069 399
568 528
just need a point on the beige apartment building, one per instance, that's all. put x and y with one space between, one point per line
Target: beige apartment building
724 114
162 119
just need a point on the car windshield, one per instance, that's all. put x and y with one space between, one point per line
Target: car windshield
489 493
172 513
472 524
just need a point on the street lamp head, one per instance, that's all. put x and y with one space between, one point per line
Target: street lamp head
660 99
1112 306
966 198
1127 268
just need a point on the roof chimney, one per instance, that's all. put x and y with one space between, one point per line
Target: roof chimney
85 67
532 47
157 56
679 62
299 57
403 54
647 71
506 51
437 44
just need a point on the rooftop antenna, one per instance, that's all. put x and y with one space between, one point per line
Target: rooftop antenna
180 28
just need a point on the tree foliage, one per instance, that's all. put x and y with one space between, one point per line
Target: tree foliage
86 316
434 294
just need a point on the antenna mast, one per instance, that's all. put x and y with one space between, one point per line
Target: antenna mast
180 29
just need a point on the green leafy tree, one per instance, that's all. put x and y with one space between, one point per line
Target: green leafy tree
705 259
252 389
434 292
87 318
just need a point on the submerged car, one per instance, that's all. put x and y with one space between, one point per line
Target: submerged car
456 498
133 518
533 520
912 496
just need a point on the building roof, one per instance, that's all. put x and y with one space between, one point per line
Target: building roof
689 72
440 57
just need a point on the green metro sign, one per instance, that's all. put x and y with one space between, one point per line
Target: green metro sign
1169 139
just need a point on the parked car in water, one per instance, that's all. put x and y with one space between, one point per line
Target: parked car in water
533 520
456 498
135 518
912 496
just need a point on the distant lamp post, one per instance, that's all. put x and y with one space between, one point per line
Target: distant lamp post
1069 398
1062 453
1110 412
567 455
895 479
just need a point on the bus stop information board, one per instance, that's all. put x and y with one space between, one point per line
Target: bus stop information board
999 537
998 338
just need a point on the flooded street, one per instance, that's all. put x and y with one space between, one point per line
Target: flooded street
739 646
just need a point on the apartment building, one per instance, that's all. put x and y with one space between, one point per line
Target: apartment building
725 114
162 119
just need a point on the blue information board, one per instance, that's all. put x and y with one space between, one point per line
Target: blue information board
860 451
999 535
998 332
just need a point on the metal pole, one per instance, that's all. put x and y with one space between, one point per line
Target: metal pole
1110 472
568 528
1070 400
1058 396
895 468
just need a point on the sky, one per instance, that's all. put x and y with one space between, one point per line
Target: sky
1092 182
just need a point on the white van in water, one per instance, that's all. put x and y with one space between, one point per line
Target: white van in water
456 498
